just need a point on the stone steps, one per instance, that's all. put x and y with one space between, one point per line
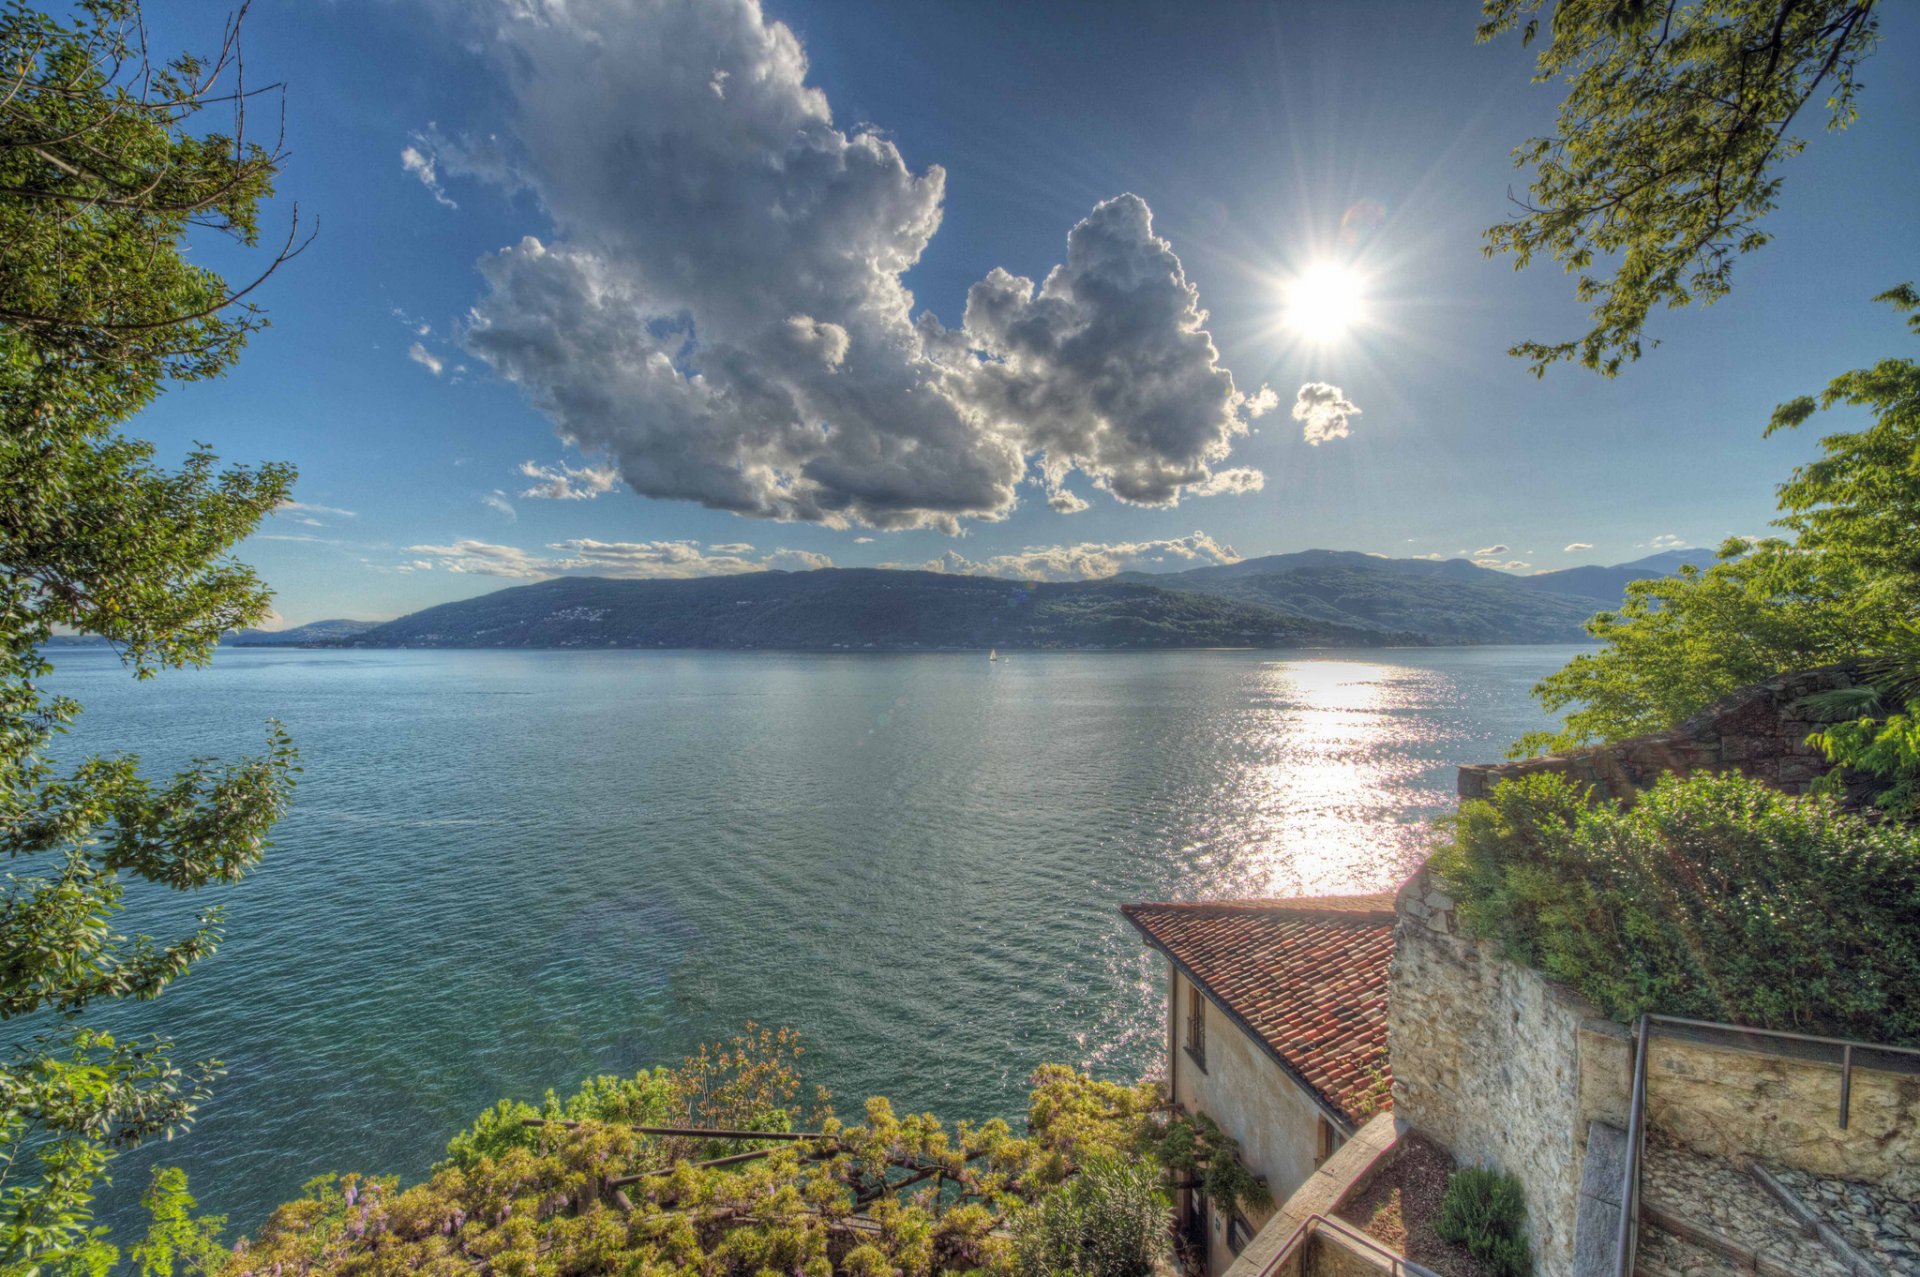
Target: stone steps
1704 1216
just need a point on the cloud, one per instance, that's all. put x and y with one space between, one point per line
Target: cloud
425 358
1324 412
498 503
481 559
1503 565
863 540
562 482
1667 541
1235 481
720 309
1489 551
421 165
1087 560
643 560
307 508
1062 501
1576 546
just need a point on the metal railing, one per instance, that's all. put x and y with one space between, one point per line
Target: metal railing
1718 1033
1350 1237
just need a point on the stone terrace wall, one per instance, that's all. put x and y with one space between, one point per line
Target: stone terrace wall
1756 731
1499 1065
1737 1104
1502 1066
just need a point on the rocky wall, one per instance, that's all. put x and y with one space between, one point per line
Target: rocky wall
1759 731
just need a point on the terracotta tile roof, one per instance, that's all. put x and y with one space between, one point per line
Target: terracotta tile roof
1306 977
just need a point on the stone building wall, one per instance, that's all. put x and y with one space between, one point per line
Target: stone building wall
1499 1065
1254 1100
1759 731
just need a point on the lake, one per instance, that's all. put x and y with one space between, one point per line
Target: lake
506 871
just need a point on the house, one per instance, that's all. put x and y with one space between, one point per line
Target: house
1277 1030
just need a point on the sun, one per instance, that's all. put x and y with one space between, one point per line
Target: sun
1325 301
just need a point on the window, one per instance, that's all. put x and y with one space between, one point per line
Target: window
1239 1233
1329 1141
1197 1025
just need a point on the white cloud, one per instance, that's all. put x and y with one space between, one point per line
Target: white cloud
1061 501
1238 480
1434 557
797 560
1087 560
425 358
1576 547
1324 412
421 165
481 559
721 313
628 559
497 502
1489 551
1667 541
562 482
1503 565
863 540
309 509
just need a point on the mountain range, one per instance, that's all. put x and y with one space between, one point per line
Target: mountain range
1314 598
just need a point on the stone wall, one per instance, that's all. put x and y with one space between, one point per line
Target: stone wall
1759 731
1735 1103
1502 1066
1498 1065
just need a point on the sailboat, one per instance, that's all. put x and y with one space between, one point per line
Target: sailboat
992 654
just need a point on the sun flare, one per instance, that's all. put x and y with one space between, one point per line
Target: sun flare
1325 301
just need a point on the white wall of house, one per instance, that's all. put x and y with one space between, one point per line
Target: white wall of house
1252 1098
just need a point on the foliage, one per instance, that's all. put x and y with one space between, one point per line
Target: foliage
1888 748
1108 1221
1195 1145
178 1243
749 1082
1486 1212
1712 896
1665 156
1843 586
547 1203
104 179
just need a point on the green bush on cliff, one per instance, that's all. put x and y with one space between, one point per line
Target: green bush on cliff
1711 896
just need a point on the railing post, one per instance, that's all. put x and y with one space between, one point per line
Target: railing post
1846 1083
1627 1240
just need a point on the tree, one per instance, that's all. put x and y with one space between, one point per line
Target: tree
580 1190
1666 155
1843 585
104 179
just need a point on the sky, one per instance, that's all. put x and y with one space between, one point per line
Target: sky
644 288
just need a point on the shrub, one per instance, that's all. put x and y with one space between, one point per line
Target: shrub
1712 896
517 1199
1486 1212
1109 1221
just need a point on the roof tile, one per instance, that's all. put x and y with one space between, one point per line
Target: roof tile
1308 976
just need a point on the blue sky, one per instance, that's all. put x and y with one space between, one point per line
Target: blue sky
698 278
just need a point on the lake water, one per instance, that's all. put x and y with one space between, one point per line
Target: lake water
506 871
